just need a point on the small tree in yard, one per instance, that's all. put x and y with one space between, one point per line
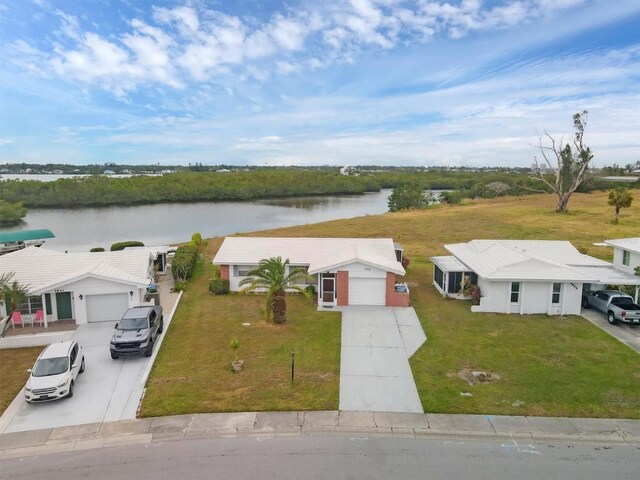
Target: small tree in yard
12 294
619 198
270 275
406 197
568 163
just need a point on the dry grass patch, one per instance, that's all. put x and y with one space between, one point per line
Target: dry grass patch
14 363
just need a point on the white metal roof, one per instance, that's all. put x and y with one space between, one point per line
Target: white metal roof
631 244
524 259
41 269
609 276
449 263
319 253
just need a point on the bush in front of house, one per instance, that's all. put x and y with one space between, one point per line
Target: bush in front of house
184 262
96 249
219 286
122 245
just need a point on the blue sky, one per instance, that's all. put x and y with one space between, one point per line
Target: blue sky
386 82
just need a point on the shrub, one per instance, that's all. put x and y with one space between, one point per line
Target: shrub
184 262
179 286
219 286
475 295
405 262
11 213
122 245
96 249
196 239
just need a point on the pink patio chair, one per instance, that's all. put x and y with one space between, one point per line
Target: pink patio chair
39 318
16 319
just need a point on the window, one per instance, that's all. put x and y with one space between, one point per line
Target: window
455 282
31 305
515 292
241 270
438 276
74 354
555 296
626 256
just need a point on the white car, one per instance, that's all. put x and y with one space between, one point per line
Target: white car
54 374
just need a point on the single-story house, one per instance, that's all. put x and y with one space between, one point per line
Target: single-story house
344 271
85 287
525 276
626 253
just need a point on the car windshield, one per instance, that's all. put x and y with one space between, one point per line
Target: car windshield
50 366
133 323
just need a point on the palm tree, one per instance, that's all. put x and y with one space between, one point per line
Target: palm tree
619 198
270 275
12 294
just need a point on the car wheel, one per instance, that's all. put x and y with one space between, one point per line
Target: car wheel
114 356
71 389
149 349
82 366
161 329
611 318
585 304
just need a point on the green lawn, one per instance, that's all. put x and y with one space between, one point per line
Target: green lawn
547 365
14 363
193 370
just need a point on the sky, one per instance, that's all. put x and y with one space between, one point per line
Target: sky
360 82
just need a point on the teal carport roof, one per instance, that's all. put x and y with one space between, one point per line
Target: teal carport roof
22 235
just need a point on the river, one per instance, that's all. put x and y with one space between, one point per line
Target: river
163 224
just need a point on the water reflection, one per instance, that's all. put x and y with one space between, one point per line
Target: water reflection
161 224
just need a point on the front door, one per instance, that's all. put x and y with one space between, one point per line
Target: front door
328 288
63 301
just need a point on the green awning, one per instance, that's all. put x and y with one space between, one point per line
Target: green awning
22 235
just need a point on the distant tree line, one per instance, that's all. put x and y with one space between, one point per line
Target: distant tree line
259 183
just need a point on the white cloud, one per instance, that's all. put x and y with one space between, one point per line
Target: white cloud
193 42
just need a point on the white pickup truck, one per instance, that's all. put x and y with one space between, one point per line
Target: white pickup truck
617 305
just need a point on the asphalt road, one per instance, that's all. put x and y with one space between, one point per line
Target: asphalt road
335 458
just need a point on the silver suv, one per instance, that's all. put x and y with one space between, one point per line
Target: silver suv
137 331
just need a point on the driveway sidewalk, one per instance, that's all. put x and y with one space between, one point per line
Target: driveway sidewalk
518 431
374 365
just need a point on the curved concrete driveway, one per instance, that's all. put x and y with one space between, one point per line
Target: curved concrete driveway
374 366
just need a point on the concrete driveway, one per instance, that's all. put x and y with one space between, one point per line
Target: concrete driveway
377 343
627 334
108 390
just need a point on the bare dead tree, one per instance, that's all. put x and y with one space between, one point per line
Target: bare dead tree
568 164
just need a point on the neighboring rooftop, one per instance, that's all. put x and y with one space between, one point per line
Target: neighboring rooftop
25 235
318 253
40 268
524 259
631 244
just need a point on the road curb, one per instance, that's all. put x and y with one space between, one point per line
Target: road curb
279 424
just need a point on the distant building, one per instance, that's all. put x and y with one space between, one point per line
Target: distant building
348 170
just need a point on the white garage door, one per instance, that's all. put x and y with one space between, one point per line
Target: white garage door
367 291
105 308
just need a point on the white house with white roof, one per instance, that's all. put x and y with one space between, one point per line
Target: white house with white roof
85 287
525 276
345 271
626 253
